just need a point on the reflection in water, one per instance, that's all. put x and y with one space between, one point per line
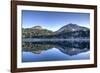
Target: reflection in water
52 51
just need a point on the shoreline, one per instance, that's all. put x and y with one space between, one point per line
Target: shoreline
52 40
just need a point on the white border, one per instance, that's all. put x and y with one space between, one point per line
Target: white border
53 63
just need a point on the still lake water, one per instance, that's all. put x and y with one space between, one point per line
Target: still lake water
55 51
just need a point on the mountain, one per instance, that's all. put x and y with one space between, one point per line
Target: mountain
73 31
67 31
35 31
71 27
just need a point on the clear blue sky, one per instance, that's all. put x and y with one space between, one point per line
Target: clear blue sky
53 20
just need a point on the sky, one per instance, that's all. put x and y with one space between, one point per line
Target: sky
53 20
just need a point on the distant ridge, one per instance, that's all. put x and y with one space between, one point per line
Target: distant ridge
37 27
67 31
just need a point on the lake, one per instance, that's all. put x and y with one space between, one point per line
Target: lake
55 51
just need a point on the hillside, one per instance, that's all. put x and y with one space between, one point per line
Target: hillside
67 31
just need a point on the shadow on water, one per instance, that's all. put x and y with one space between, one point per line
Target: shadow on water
66 47
55 51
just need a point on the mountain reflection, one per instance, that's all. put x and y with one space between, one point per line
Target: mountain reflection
66 47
